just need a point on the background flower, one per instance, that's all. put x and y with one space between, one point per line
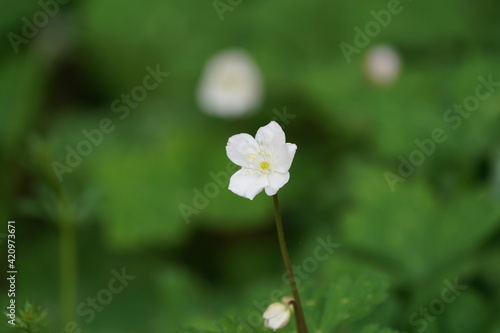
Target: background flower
231 85
382 65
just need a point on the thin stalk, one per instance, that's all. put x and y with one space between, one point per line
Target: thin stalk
67 262
299 313
66 223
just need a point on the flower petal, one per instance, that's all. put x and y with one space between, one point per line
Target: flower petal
276 316
283 157
276 181
270 136
247 183
240 148
279 321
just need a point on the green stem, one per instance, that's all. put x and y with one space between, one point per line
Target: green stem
67 255
67 239
299 314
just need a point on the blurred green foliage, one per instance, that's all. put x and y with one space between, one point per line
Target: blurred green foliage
215 269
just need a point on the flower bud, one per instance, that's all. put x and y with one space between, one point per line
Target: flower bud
277 315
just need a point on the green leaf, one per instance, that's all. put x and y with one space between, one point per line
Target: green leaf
387 118
20 92
11 22
348 300
193 330
376 329
230 325
468 313
412 229
142 193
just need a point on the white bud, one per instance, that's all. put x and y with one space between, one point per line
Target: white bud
276 316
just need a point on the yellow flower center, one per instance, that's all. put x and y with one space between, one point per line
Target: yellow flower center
230 82
264 165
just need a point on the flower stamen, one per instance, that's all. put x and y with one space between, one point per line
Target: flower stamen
264 165
260 158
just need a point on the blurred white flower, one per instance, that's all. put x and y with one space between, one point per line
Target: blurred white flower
264 161
382 65
231 85
277 314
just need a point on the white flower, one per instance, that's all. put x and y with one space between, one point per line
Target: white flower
382 65
264 161
231 85
277 315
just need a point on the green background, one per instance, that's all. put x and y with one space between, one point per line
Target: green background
396 248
